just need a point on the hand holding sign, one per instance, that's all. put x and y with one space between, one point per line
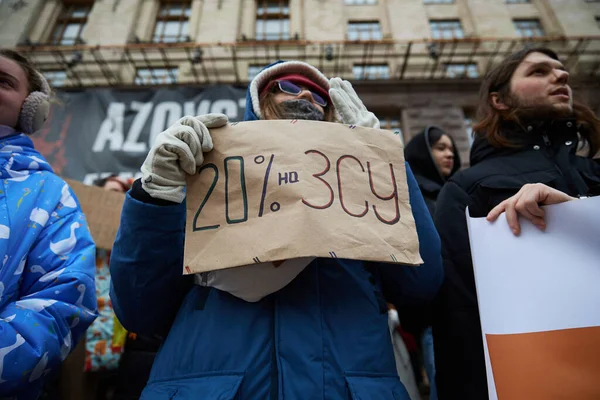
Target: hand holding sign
176 152
526 203
275 190
349 105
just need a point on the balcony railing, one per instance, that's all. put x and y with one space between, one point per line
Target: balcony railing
209 63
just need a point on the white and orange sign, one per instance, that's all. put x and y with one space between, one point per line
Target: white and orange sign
539 303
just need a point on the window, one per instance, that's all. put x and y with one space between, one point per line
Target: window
469 126
456 70
55 78
272 20
438 2
371 71
71 23
446 29
253 70
359 2
469 122
156 76
598 21
368 30
529 27
517 1
392 123
172 22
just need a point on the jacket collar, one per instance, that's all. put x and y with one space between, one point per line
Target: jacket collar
536 135
19 159
543 132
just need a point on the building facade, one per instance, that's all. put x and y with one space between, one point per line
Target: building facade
414 62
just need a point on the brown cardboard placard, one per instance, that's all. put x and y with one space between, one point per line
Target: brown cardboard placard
102 209
275 190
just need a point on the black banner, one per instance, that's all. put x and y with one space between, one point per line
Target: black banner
97 132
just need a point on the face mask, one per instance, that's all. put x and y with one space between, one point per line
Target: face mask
300 109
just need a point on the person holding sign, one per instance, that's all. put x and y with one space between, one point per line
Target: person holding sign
530 131
316 329
47 293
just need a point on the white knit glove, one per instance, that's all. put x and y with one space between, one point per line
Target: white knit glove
349 106
253 282
176 152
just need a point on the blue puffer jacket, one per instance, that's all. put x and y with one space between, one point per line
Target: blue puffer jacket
323 336
47 292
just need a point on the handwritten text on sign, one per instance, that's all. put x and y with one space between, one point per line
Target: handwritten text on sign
274 190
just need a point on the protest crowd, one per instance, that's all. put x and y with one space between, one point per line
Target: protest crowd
81 322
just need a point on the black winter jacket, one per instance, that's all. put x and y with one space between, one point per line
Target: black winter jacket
546 155
418 155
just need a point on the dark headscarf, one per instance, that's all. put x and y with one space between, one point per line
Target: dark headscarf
418 155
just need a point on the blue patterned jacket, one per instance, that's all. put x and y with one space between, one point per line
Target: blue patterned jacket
47 292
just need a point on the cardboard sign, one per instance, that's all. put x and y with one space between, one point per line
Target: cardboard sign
275 190
102 209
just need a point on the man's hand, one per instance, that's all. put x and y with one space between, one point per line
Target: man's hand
526 203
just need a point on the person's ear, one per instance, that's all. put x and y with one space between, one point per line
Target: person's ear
497 102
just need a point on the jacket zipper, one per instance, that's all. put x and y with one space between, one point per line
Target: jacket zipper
274 395
546 140
549 148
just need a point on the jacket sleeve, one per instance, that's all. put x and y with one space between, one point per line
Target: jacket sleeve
55 305
459 357
404 285
146 266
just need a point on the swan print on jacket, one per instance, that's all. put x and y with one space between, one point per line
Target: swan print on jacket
47 297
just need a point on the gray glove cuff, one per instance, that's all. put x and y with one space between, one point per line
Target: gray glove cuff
159 188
